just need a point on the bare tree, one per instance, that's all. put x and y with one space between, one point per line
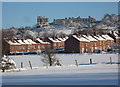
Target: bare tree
48 56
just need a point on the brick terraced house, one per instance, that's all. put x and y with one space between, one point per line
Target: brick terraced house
115 36
92 44
62 39
42 44
76 44
101 42
55 43
14 47
109 41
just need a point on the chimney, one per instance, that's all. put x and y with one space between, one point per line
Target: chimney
77 34
38 20
95 34
62 36
54 37
89 16
42 38
22 40
86 34
80 35
113 32
33 38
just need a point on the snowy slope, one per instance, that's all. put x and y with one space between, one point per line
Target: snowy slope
98 73
66 59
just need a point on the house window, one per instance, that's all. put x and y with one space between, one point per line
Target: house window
38 46
86 44
82 50
94 44
22 47
104 43
29 47
34 47
42 46
108 42
82 44
54 45
100 42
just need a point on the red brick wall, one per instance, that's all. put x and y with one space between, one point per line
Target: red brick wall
118 40
56 45
101 44
84 47
108 44
43 46
62 44
32 47
93 45
18 48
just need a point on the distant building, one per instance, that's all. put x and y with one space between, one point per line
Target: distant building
73 20
42 21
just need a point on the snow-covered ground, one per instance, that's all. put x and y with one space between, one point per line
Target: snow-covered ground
101 72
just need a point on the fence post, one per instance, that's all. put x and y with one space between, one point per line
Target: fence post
46 65
76 63
30 64
3 70
90 61
110 60
21 64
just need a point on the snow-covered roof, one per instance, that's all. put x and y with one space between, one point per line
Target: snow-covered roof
109 28
42 41
56 40
26 42
20 41
63 39
13 43
32 42
116 35
107 37
10 42
90 38
98 37
81 38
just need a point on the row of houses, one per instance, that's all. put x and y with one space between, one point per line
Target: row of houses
89 43
26 45
72 44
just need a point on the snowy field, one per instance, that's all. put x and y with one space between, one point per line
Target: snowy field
101 72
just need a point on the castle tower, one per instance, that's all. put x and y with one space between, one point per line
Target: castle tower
42 21
38 20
